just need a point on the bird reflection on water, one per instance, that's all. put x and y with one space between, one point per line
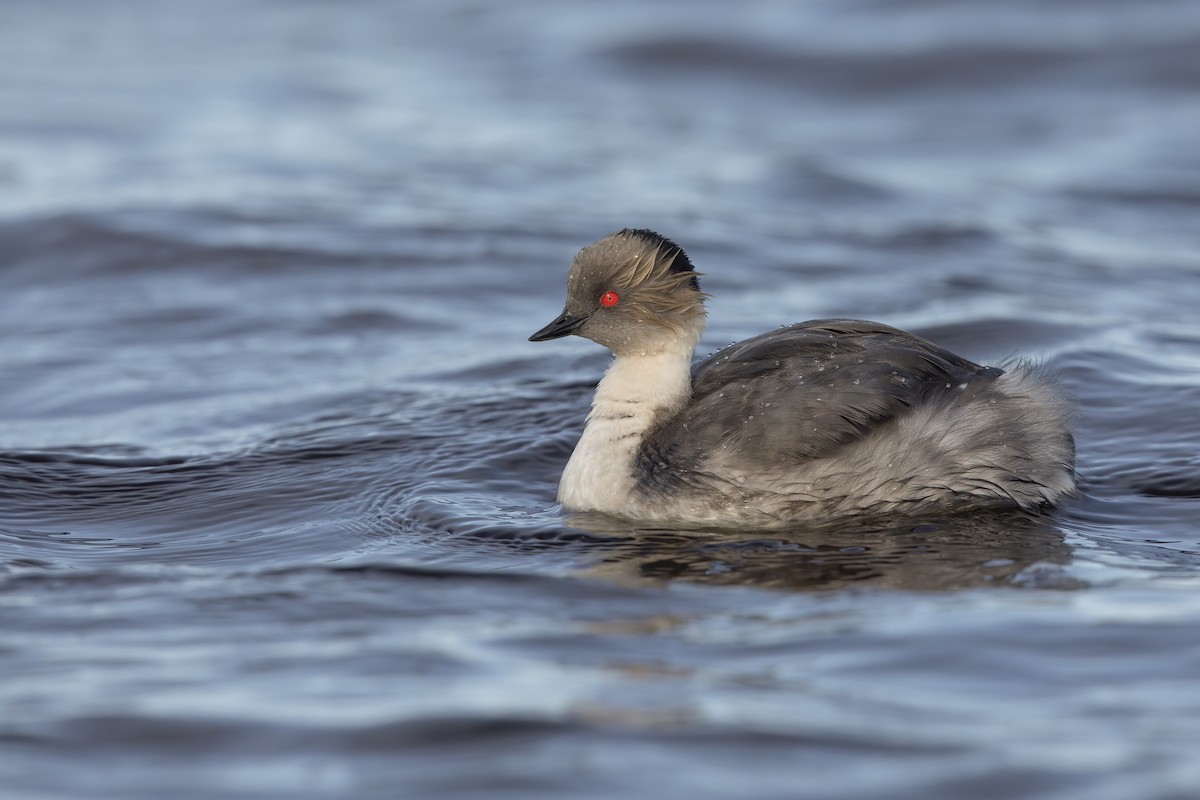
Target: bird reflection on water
983 549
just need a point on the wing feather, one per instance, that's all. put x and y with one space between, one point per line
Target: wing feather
805 391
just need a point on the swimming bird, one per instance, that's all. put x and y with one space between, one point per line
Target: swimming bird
827 419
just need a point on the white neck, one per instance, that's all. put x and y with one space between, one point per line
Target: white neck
634 394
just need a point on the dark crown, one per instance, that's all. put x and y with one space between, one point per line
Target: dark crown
680 261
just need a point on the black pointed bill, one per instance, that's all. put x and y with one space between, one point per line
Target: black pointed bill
565 325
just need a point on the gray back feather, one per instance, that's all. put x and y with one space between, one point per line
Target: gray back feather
804 391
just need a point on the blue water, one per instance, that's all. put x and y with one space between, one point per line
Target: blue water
278 465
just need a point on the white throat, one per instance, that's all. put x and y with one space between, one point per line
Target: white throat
636 392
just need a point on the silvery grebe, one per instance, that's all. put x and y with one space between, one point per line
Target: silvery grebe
816 421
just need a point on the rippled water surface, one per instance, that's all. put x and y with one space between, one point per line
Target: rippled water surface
277 463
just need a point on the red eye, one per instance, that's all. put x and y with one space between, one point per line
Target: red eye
609 299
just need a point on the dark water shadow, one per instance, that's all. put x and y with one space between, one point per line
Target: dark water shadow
1009 548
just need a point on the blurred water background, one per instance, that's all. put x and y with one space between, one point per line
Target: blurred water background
277 464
